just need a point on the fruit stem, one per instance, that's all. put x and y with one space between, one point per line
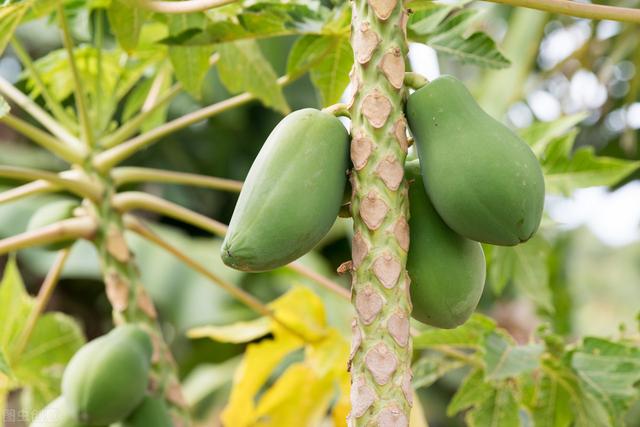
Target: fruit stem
415 80
381 392
338 110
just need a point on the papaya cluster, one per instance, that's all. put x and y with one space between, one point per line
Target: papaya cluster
106 384
475 182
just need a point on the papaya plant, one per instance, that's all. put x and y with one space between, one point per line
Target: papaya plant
102 99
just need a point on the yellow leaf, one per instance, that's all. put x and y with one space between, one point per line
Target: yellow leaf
342 406
301 310
417 417
259 362
298 398
330 354
239 332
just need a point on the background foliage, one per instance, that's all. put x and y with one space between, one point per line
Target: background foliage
528 359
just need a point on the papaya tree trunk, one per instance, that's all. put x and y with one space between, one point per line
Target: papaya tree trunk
131 303
380 362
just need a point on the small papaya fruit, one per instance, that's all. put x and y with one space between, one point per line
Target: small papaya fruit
447 270
50 214
151 412
108 377
56 414
484 181
292 194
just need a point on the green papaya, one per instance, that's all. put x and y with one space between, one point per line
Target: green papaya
447 270
50 214
484 181
108 377
151 412
292 194
56 414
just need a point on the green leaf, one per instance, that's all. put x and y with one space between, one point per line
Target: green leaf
10 17
55 339
4 107
478 49
473 390
553 405
331 75
4 365
427 19
431 367
540 134
190 64
307 51
526 266
243 67
126 22
505 360
565 172
499 409
15 306
611 372
471 334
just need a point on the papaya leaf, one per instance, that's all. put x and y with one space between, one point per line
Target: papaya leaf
331 75
455 25
4 365
126 23
257 21
498 409
611 372
471 334
307 51
243 67
565 171
190 64
429 15
431 367
239 332
540 134
10 17
526 266
4 107
504 359
478 49
298 397
55 338
473 390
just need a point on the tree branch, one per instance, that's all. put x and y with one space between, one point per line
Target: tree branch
112 157
187 6
44 295
28 105
579 10
135 225
43 139
124 175
131 200
78 88
30 189
69 180
68 229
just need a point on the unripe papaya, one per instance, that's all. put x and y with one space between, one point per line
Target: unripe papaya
151 412
484 181
56 414
447 270
292 194
108 377
50 214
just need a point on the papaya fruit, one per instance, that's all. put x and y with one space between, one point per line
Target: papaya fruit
50 214
151 412
108 377
447 270
483 180
56 414
292 193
